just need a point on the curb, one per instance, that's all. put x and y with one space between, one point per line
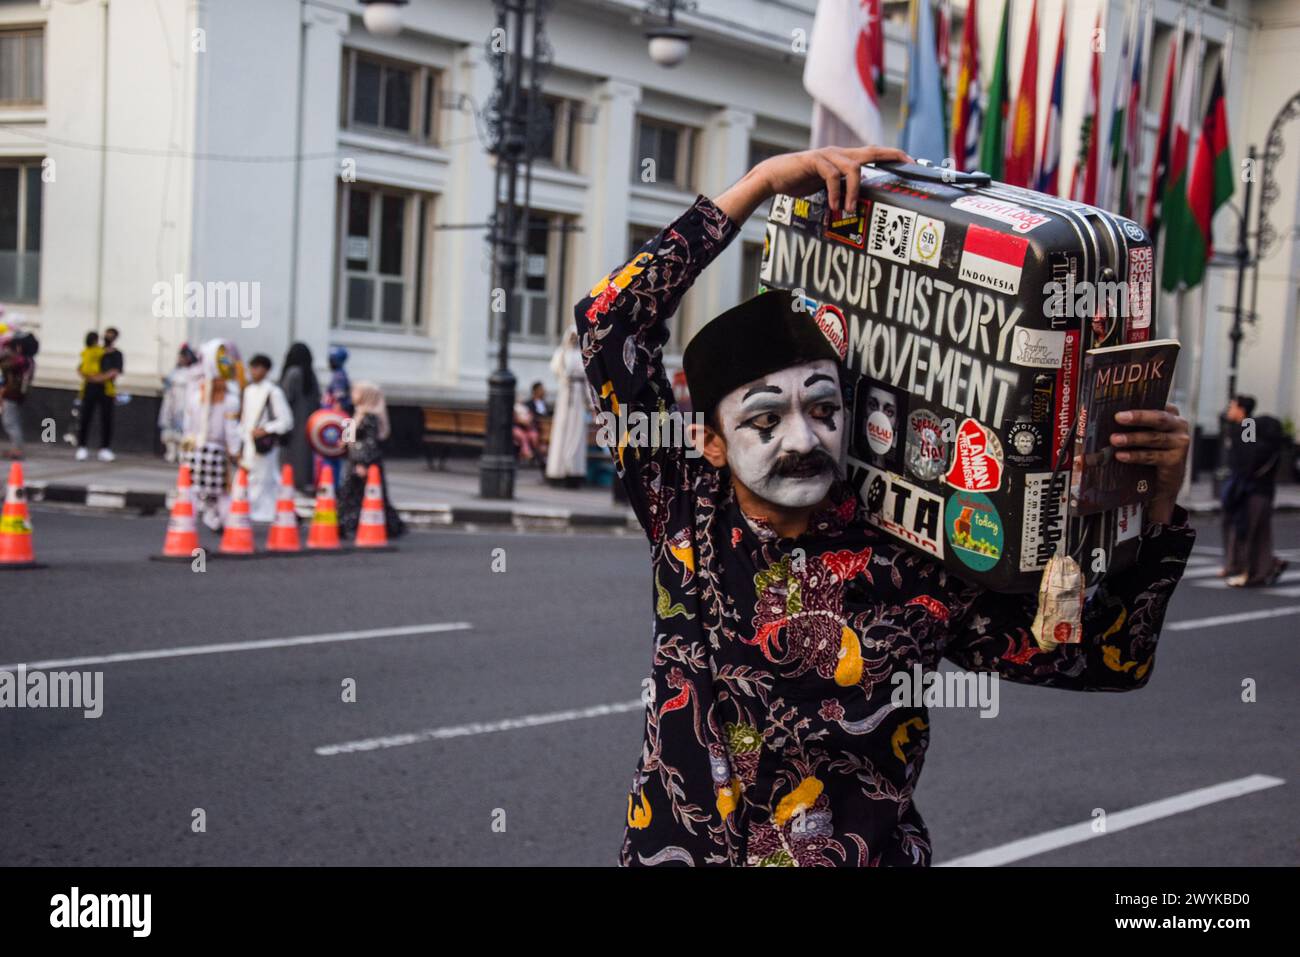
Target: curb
421 515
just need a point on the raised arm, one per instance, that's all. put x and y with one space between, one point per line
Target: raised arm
623 321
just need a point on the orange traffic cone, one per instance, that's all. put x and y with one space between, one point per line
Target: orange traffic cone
283 536
324 533
237 538
372 530
182 534
16 525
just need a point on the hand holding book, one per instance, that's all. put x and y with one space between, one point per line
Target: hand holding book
1161 439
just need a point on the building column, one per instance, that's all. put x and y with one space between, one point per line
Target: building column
463 257
602 244
315 273
724 159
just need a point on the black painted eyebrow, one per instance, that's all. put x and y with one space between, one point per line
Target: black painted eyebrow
761 388
818 377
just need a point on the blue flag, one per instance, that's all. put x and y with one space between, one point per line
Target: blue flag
923 134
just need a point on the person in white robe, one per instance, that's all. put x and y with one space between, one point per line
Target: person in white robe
211 426
265 417
566 460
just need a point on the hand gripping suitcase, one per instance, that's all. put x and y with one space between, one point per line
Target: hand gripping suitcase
961 309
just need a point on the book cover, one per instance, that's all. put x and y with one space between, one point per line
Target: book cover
1137 375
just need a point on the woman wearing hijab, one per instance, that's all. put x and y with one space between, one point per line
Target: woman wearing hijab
566 460
370 420
298 382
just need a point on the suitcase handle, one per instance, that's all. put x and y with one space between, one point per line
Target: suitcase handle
937 174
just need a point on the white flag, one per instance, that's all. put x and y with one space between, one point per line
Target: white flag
838 73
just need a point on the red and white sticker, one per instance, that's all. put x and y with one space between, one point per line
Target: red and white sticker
1128 522
977 459
830 320
993 259
880 433
1017 217
1141 271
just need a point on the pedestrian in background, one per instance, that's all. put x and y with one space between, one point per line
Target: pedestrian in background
566 460
212 437
99 399
370 429
340 387
265 418
171 410
17 366
1255 450
302 392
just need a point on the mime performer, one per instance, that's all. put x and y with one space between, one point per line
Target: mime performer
780 612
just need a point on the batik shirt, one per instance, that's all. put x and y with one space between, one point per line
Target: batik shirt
770 733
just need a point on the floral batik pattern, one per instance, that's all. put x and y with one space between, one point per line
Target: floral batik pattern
770 734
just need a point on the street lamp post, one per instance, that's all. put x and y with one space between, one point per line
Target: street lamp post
669 44
519 54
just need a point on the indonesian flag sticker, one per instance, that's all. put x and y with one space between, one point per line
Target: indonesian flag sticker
993 259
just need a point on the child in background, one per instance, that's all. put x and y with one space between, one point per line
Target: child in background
87 365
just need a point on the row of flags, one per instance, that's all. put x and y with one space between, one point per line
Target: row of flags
986 128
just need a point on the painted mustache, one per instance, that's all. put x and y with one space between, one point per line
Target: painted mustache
809 465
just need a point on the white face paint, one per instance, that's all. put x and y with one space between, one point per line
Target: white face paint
783 418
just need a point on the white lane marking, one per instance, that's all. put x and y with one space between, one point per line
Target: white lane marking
1119 821
479 727
1289 578
259 645
1192 624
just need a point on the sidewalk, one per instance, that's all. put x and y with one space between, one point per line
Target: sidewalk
424 497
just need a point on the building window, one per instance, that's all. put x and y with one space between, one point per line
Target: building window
559 132
22 67
384 251
387 96
20 231
665 154
539 311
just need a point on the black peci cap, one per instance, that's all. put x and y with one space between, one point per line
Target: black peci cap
762 335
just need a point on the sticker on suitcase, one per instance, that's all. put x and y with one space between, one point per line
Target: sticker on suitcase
900 508
993 259
1042 523
974 530
977 459
891 232
927 242
1017 217
926 451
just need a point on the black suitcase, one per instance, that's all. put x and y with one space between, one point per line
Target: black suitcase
961 309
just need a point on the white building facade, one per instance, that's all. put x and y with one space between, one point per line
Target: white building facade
338 182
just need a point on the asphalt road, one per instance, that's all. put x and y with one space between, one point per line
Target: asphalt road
250 736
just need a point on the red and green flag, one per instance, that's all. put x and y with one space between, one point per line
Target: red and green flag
1160 161
1175 212
1211 184
993 137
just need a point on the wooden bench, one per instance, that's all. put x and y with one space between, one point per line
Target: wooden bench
445 428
